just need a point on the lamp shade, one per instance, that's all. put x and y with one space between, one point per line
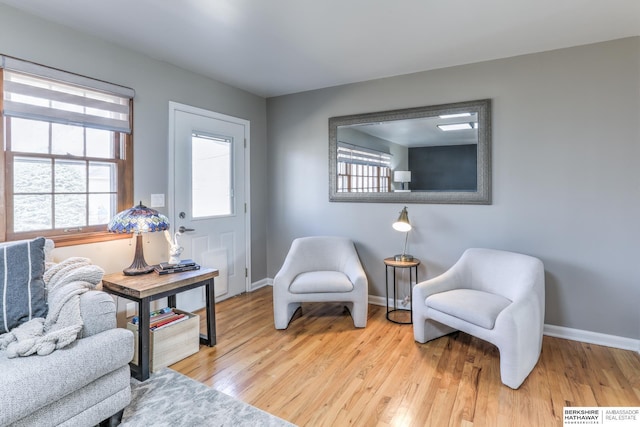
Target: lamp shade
402 176
138 219
402 223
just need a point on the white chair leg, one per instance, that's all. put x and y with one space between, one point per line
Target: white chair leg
283 312
427 329
359 314
515 365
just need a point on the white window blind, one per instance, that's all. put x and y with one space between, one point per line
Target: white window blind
36 92
353 154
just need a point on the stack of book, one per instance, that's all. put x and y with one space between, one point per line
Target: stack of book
184 265
162 318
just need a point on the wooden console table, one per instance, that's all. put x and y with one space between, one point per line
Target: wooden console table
150 287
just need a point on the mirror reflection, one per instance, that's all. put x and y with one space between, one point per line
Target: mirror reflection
436 154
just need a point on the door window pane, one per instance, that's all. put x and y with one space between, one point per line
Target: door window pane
211 181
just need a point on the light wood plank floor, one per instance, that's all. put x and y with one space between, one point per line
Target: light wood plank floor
322 371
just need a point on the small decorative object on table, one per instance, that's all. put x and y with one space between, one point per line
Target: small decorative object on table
174 247
183 265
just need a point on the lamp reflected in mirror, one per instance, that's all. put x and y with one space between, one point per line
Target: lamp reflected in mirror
403 177
402 224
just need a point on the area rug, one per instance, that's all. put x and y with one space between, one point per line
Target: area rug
169 398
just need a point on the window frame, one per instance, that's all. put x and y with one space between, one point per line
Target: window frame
89 234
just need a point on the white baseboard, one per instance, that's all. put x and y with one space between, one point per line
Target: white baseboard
261 284
381 301
549 330
376 300
592 337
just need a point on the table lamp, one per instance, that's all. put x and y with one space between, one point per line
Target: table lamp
137 220
403 177
403 224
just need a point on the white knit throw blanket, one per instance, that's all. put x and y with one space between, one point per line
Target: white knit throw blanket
65 282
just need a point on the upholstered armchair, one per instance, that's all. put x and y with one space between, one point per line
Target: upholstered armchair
320 269
496 296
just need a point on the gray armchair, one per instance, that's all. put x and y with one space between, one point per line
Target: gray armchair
320 269
496 296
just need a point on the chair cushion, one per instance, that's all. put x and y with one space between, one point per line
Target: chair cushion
320 282
477 307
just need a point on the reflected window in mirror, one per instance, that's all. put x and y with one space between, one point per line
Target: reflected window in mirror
362 170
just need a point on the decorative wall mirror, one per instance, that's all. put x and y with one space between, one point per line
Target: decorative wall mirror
434 154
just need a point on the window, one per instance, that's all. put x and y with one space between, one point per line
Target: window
211 183
68 166
362 170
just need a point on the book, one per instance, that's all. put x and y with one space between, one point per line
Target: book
167 322
176 269
173 322
182 263
155 316
156 322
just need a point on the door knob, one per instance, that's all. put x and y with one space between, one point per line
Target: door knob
182 229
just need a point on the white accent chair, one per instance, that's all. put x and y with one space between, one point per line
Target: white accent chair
320 269
496 296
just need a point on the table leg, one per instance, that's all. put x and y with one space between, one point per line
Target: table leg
411 290
143 340
171 301
386 287
210 295
395 287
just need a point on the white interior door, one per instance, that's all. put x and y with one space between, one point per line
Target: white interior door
208 204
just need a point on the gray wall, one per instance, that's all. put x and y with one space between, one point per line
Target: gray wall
566 177
156 83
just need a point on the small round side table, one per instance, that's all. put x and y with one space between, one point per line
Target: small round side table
393 311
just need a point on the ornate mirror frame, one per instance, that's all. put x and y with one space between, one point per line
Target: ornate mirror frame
482 195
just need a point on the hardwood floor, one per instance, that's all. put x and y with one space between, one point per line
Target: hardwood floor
322 371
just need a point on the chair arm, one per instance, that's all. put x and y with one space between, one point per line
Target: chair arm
285 275
354 271
98 311
527 310
447 281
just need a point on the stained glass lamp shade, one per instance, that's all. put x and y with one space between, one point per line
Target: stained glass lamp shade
137 220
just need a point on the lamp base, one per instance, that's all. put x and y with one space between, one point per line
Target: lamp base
137 270
403 257
139 265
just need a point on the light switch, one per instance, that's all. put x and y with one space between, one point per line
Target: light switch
157 200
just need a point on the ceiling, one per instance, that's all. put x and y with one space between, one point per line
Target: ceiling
277 47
